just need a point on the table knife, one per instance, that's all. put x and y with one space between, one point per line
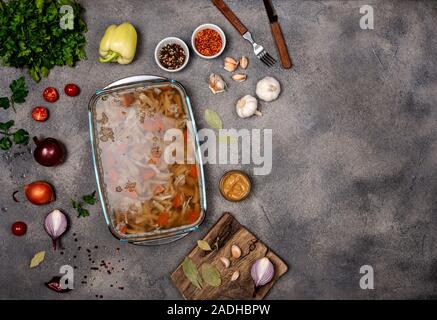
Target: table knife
277 35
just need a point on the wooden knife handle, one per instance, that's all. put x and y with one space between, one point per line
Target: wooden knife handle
281 45
232 18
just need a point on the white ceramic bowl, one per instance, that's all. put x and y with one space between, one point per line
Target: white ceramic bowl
208 26
170 40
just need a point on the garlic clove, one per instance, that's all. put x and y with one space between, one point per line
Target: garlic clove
244 62
225 262
230 64
235 275
235 251
216 83
239 77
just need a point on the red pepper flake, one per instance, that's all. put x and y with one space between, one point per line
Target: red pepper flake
208 42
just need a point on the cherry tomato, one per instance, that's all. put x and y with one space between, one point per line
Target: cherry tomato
40 113
71 90
19 228
50 94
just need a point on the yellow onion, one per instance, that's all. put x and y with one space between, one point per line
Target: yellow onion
39 193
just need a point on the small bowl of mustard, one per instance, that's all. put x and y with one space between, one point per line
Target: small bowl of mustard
235 185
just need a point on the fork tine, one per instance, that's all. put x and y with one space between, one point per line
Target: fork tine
261 56
265 59
266 62
270 58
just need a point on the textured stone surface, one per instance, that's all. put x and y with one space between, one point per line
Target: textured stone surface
354 177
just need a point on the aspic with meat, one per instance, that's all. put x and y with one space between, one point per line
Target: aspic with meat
145 192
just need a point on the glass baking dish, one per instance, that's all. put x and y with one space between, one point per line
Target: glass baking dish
145 199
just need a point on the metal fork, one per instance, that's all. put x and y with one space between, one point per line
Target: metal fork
259 51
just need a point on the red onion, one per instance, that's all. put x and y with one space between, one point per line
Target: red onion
49 152
55 225
55 285
262 271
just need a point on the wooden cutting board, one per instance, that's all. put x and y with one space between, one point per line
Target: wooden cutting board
226 232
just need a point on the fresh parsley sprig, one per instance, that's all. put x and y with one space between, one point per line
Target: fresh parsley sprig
19 136
19 93
78 205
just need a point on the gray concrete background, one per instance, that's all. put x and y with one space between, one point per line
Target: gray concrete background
354 177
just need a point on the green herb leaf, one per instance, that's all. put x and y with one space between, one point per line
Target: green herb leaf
19 90
202 244
90 198
190 271
213 119
211 275
37 259
5 143
5 126
4 103
31 36
21 136
81 212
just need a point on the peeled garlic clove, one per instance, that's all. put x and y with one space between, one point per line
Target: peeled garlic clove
230 64
235 275
244 62
239 77
235 251
225 262
216 83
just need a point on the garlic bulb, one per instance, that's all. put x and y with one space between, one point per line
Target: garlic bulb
262 271
268 89
247 106
216 83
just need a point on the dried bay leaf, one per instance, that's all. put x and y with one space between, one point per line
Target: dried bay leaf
213 119
211 275
190 271
37 259
202 244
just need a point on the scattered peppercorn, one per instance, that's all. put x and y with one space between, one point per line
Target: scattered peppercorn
172 56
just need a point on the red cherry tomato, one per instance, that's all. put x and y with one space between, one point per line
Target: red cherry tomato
71 90
50 94
19 228
40 113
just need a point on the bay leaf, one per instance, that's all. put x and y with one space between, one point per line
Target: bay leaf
37 259
213 119
211 275
190 271
202 244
